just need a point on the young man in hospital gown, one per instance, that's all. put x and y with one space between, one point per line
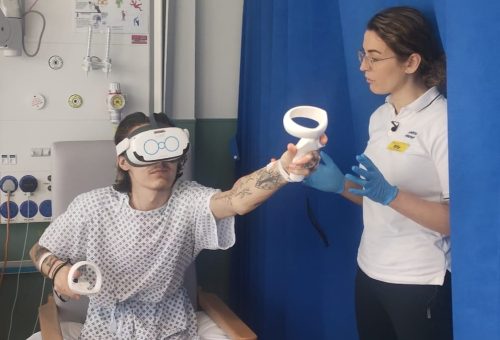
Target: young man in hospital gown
143 232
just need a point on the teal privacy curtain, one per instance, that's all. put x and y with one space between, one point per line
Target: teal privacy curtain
294 282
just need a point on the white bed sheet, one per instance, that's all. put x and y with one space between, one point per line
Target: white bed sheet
207 329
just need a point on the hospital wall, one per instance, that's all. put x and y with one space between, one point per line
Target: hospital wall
202 94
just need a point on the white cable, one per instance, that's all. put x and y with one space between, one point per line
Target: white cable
19 271
40 304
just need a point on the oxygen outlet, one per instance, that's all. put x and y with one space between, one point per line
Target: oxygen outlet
28 183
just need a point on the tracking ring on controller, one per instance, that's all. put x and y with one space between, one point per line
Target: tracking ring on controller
310 112
83 287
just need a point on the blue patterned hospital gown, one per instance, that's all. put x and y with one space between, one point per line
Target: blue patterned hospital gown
142 255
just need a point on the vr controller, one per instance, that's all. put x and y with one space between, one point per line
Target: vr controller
309 137
82 286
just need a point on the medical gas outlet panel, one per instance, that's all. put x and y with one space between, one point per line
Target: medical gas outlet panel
25 197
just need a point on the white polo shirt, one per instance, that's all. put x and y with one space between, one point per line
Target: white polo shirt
411 151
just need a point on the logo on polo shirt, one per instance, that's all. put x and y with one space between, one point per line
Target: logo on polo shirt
411 134
398 146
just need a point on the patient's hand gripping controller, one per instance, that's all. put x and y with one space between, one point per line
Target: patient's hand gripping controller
82 286
309 137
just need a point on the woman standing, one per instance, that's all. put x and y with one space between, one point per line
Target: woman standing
403 284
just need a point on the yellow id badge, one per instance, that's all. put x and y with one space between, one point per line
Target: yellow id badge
398 146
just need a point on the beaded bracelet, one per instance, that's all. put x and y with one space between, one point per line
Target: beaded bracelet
51 267
63 264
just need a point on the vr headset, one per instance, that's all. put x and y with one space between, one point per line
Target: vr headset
150 144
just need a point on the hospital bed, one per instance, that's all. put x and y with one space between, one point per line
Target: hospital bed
80 166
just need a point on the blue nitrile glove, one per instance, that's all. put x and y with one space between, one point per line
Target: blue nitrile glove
327 177
374 186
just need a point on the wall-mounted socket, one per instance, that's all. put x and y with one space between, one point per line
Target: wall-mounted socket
8 159
40 152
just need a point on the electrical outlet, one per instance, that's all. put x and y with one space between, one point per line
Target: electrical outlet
30 198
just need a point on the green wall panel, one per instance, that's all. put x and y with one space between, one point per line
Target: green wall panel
214 167
21 319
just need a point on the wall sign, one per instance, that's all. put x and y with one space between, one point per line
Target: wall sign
130 16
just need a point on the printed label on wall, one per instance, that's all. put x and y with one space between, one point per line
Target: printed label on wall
129 16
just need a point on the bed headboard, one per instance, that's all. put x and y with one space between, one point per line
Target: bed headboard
78 167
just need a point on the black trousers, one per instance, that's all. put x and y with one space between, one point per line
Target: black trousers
387 311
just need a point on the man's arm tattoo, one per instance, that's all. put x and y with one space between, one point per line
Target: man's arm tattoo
37 251
268 179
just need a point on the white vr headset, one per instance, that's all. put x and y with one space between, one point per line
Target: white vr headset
148 145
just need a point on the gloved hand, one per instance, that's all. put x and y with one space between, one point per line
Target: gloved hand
374 186
327 177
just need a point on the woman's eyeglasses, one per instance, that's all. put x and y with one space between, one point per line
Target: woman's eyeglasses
370 60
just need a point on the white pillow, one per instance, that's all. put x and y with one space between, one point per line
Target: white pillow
207 329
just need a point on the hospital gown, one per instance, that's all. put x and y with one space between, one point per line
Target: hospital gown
142 255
